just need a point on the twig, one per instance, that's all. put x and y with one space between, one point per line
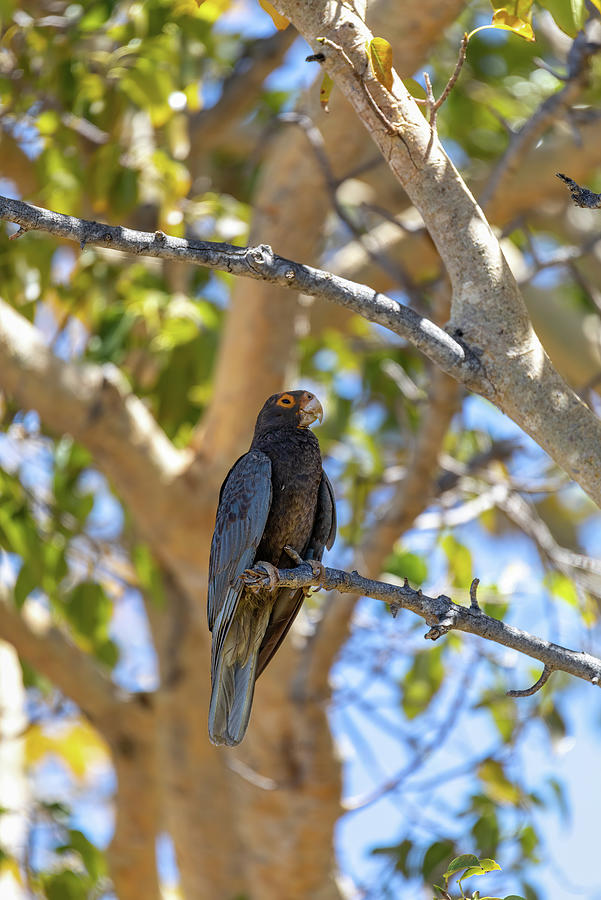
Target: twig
434 105
535 687
443 615
453 79
263 264
581 196
473 594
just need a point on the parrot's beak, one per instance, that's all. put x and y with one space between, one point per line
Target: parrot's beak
310 410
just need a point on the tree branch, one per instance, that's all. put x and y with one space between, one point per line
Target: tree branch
239 94
95 405
517 374
49 651
441 614
263 264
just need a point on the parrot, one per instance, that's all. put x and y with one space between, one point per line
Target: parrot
275 505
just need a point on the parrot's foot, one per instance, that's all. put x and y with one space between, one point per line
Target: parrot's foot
317 567
254 579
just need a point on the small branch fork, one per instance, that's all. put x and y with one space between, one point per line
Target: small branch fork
442 615
434 105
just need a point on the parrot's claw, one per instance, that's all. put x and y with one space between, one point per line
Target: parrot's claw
254 579
317 568
319 572
294 556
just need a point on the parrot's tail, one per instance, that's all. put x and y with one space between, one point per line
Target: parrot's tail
234 671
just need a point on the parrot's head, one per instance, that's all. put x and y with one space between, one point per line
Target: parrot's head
297 408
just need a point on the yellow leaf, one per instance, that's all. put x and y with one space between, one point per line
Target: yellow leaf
597 3
279 21
324 92
77 745
9 872
379 52
503 19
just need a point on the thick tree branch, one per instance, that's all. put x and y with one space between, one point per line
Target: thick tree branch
49 651
96 406
487 308
518 376
443 615
131 852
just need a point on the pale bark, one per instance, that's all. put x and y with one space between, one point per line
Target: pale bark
14 789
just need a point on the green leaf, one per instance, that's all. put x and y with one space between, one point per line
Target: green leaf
325 90
48 122
563 587
93 858
563 15
89 610
404 564
516 16
509 22
26 583
489 865
422 681
484 866
528 841
461 862
149 574
579 13
379 52
434 858
66 886
497 785
460 561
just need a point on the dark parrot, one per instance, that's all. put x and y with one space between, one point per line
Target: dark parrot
275 496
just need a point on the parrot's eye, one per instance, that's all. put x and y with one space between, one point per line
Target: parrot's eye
285 400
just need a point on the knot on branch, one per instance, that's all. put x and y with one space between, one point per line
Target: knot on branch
446 620
259 258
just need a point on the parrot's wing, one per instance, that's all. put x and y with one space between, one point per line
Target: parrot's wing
324 524
244 504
